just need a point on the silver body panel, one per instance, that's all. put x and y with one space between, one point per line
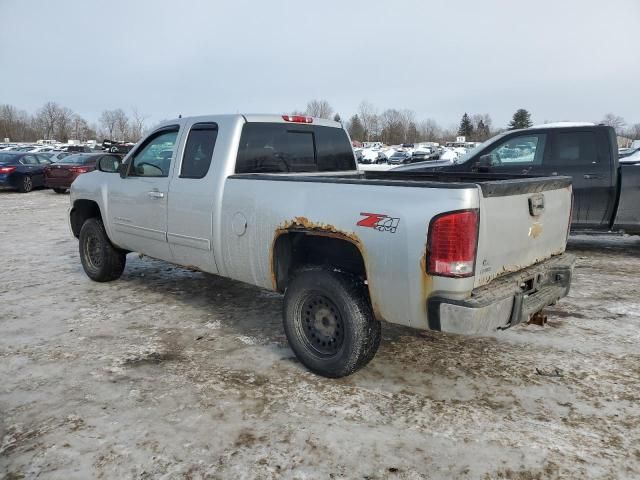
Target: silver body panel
226 224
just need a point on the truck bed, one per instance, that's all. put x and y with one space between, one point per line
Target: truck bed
491 184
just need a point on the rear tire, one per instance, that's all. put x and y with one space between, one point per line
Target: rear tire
329 322
101 261
60 190
26 184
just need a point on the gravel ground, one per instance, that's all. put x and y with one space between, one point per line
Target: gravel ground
168 373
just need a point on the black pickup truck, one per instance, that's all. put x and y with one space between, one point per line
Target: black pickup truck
606 192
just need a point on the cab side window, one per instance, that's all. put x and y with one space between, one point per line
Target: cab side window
29 160
521 150
198 151
574 149
153 158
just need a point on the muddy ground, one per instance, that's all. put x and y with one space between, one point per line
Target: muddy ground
169 373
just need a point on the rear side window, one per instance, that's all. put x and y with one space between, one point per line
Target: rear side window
199 150
334 150
274 147
29 160
574 148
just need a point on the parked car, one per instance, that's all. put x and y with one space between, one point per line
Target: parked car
61 174
606 191
57 156
634 158
77 149
370 156
117 147
278 202
627 152
22 171
424 153
399 157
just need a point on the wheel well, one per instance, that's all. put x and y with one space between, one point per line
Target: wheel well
293 250
81 211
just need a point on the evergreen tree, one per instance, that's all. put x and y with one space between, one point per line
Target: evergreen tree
521 119
482 131
356 129
337 118
466 127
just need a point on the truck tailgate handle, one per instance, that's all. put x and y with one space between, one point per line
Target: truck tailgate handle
590 176
155 194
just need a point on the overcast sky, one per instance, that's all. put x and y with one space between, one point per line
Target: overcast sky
561 59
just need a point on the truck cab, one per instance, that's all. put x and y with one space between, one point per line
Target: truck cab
583 151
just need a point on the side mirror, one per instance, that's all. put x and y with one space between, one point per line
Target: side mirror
122 169
484 163
109 164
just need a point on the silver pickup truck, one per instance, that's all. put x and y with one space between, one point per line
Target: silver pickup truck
278 202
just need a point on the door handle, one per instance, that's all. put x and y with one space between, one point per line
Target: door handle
590 176
155 194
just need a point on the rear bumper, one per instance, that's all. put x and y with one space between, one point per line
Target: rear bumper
53 182
5 181
506 301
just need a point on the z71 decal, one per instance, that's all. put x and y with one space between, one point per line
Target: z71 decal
379 221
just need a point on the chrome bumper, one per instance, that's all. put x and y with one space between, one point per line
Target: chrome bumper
506 301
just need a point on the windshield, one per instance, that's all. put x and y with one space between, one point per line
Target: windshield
473 151
75 159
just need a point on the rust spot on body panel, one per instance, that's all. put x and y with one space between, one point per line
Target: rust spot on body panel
306 226
426 279
535 230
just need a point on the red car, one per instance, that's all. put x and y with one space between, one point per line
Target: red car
61 174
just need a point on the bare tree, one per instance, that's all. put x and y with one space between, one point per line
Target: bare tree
319 109
63 123
614 121
392 122
108 120
80 128
370 121
430 130
122 124
137 124
8 119
47 118
634 131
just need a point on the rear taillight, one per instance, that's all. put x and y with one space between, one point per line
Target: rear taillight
452 243
7 169
79 169
297 118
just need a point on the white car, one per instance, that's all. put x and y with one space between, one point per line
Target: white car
633 158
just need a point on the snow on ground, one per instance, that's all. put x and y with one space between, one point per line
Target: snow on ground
169 373
375 167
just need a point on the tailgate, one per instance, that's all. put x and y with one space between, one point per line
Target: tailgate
522 222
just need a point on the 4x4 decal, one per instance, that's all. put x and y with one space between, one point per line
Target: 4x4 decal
379 221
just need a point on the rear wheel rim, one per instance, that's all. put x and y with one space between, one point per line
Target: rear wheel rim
93 252
322 326
27 183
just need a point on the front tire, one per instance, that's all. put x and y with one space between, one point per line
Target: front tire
101 261
60 190
329 322
26 184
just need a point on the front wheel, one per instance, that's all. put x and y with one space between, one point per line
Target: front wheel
25 185
60 190
329 322
101 261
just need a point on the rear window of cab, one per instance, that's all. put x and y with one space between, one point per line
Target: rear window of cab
283 147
